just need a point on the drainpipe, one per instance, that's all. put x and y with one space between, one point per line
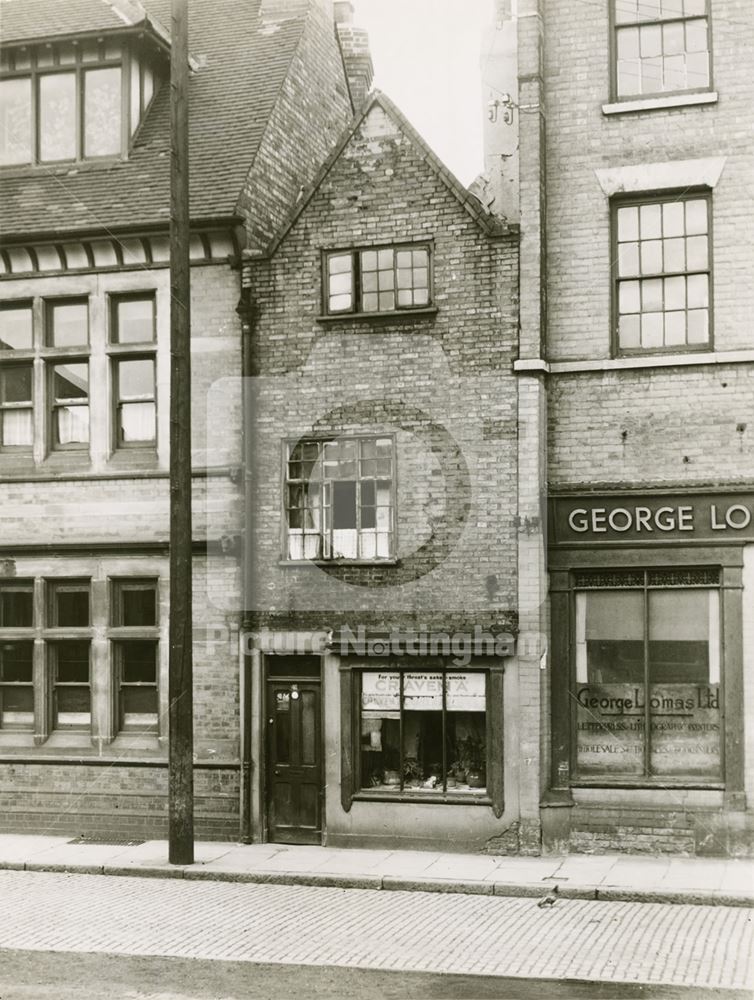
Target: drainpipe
246 311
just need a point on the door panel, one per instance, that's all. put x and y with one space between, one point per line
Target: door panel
294 762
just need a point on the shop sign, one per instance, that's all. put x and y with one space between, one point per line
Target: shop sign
705 517
684 729
422 692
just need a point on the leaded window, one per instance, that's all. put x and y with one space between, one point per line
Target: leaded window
377 280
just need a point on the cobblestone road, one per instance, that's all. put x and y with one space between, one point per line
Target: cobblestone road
485 935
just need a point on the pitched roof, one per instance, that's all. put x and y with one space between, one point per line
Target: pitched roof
244 49
493 225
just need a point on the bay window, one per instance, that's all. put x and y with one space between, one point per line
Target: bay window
646 695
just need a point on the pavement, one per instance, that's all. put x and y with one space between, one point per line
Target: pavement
612 877
695 948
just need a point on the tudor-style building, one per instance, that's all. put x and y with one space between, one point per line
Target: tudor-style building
614 137
84 382
387 705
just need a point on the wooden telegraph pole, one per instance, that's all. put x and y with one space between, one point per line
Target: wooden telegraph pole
181 743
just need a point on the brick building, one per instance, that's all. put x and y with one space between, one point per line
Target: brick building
618 135
84 381
383 595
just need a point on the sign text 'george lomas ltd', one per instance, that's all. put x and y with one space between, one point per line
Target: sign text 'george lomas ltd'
705 517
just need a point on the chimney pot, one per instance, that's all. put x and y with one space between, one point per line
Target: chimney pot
343 12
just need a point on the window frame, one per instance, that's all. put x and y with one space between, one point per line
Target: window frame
356 290
141 350
614 27
18 686
645 779
654 198
321 440
119 634
125 60
52 648
446 794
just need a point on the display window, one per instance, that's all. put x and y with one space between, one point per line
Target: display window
423 732
646 680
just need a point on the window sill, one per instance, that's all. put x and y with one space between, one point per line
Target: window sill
659 784
338 562
539 365
659 103
471 798
403 314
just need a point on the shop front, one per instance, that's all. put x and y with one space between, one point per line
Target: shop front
394 741
651 596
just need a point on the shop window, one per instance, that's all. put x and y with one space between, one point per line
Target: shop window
376 280
661 47
662 275
339 499
647 676
424 732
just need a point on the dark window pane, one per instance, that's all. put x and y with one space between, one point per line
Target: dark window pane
141 701
293 666
16 661
71 608
139 662
72 661
16 608
69 324
16 384
139 606
16 328
134 321
344 505
72 707
71 381
102 112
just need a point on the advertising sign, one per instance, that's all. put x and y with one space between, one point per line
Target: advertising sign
422 692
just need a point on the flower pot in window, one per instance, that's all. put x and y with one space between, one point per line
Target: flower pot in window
476 779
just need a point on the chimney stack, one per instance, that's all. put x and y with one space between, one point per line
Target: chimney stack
354 46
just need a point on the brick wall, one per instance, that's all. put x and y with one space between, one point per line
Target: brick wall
441 383
581 139
310 112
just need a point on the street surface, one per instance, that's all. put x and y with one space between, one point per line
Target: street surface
37 975
702 947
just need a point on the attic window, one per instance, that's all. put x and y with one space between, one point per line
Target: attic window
377 279
66 102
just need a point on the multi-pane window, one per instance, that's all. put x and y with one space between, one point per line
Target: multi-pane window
662 274
646 693
135 646
132 327
383 279
67 329
339 499
423 732
47 365
16 656
661 46
16 376
61 696
65 101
